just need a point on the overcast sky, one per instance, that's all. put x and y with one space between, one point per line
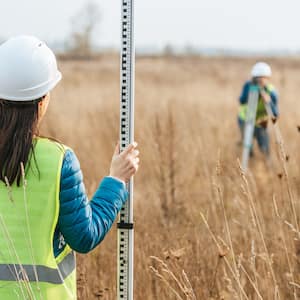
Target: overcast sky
237 24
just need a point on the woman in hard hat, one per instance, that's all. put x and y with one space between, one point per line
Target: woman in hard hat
44 210
261 75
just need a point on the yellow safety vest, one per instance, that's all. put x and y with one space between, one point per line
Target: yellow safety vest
28 217
261 113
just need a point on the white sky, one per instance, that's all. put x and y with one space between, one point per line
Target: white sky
253 25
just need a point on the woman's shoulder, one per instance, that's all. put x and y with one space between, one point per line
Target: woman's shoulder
47 142
70 169
247 84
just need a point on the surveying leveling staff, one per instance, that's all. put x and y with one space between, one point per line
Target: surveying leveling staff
261 75
39 231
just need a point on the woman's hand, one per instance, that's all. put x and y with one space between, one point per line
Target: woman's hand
125 164
265 96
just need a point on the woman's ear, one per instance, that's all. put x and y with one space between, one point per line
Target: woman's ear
43 105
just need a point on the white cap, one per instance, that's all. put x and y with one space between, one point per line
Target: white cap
261 69
28 69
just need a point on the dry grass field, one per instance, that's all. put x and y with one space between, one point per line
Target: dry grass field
203 230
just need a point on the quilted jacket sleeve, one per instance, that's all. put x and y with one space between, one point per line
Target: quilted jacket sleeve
274 103
84 223
244 94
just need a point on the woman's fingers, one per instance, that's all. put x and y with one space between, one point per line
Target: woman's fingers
125 164
132 161
135 153
133 169
131 157
129 149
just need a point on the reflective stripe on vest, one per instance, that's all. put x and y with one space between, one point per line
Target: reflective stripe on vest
44 274
28 218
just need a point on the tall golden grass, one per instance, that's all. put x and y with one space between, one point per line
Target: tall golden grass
203 229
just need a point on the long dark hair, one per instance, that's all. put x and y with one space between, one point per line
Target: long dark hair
18 125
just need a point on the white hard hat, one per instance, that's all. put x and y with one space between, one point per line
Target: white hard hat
261 69
28 69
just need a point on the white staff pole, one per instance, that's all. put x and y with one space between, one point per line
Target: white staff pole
125 225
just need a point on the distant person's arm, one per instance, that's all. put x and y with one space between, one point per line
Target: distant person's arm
85 223
274 103
244 94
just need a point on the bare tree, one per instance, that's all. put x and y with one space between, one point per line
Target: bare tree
84 24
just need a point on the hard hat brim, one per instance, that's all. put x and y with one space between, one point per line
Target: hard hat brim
34 92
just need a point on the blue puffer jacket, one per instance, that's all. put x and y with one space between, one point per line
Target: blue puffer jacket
83 224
